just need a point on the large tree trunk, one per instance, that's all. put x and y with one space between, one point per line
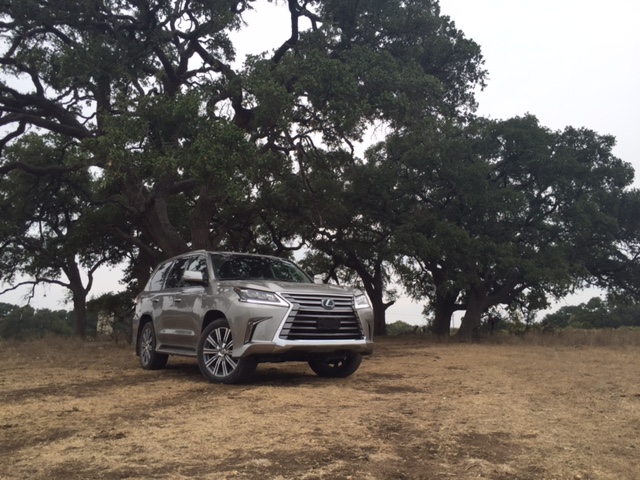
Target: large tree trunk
200 220
443 310
79 314
444 306
156 225
375 293
476 305
374 286
379 315
141 268
79 297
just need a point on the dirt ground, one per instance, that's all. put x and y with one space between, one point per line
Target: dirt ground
414 410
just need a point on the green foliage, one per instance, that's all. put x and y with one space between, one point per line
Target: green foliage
132 137
400 328
6 309
612 312
52 229
118 308
26 323
512 323
506 212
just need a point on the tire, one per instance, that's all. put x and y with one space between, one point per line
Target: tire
149 358
214 355
332 367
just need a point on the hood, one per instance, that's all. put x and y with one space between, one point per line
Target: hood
293 287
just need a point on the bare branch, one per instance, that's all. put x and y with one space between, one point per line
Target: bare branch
134 241
22 126
184 186
293 39
34 283
16 286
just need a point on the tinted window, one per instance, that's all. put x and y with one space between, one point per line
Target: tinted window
288 272
158 279
174 279
198 264
241 267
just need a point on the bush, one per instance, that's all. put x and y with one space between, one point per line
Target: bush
26 323
401 328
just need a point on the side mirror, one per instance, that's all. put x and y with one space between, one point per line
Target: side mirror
318 279
192 277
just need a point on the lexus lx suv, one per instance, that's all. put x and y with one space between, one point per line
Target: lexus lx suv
235 310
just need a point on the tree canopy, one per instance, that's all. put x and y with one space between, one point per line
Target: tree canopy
134 133
197 153
509 213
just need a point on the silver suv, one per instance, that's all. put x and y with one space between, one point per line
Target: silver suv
234 310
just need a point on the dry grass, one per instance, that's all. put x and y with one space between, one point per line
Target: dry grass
605 337
415 410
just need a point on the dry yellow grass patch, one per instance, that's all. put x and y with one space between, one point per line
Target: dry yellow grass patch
414 410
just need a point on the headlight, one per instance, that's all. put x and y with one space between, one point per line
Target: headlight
250 295
361 301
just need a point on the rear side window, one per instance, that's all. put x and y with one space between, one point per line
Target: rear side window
158 279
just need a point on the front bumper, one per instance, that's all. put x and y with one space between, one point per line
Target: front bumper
275 330
301 348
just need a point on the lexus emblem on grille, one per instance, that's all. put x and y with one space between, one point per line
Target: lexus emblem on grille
328 304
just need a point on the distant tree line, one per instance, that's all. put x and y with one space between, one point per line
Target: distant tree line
129 135
108 315
611 312
21 323
598 313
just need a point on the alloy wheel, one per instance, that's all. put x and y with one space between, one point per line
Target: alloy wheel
217 350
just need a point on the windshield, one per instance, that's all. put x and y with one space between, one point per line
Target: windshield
247 267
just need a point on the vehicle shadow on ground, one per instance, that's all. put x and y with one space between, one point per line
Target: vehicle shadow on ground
284 377
289 375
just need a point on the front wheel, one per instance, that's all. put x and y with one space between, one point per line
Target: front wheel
149 358
215 355
340 367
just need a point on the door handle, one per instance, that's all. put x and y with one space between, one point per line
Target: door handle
155 300
177 300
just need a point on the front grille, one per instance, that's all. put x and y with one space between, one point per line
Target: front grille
308 320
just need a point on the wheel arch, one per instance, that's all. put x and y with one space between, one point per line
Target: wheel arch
210 317
144 319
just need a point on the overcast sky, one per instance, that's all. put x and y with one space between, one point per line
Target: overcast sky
568 62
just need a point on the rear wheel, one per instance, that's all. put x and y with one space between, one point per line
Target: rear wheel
336 367
149 358
215 355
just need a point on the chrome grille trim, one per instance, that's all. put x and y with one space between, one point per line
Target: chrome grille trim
307 311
